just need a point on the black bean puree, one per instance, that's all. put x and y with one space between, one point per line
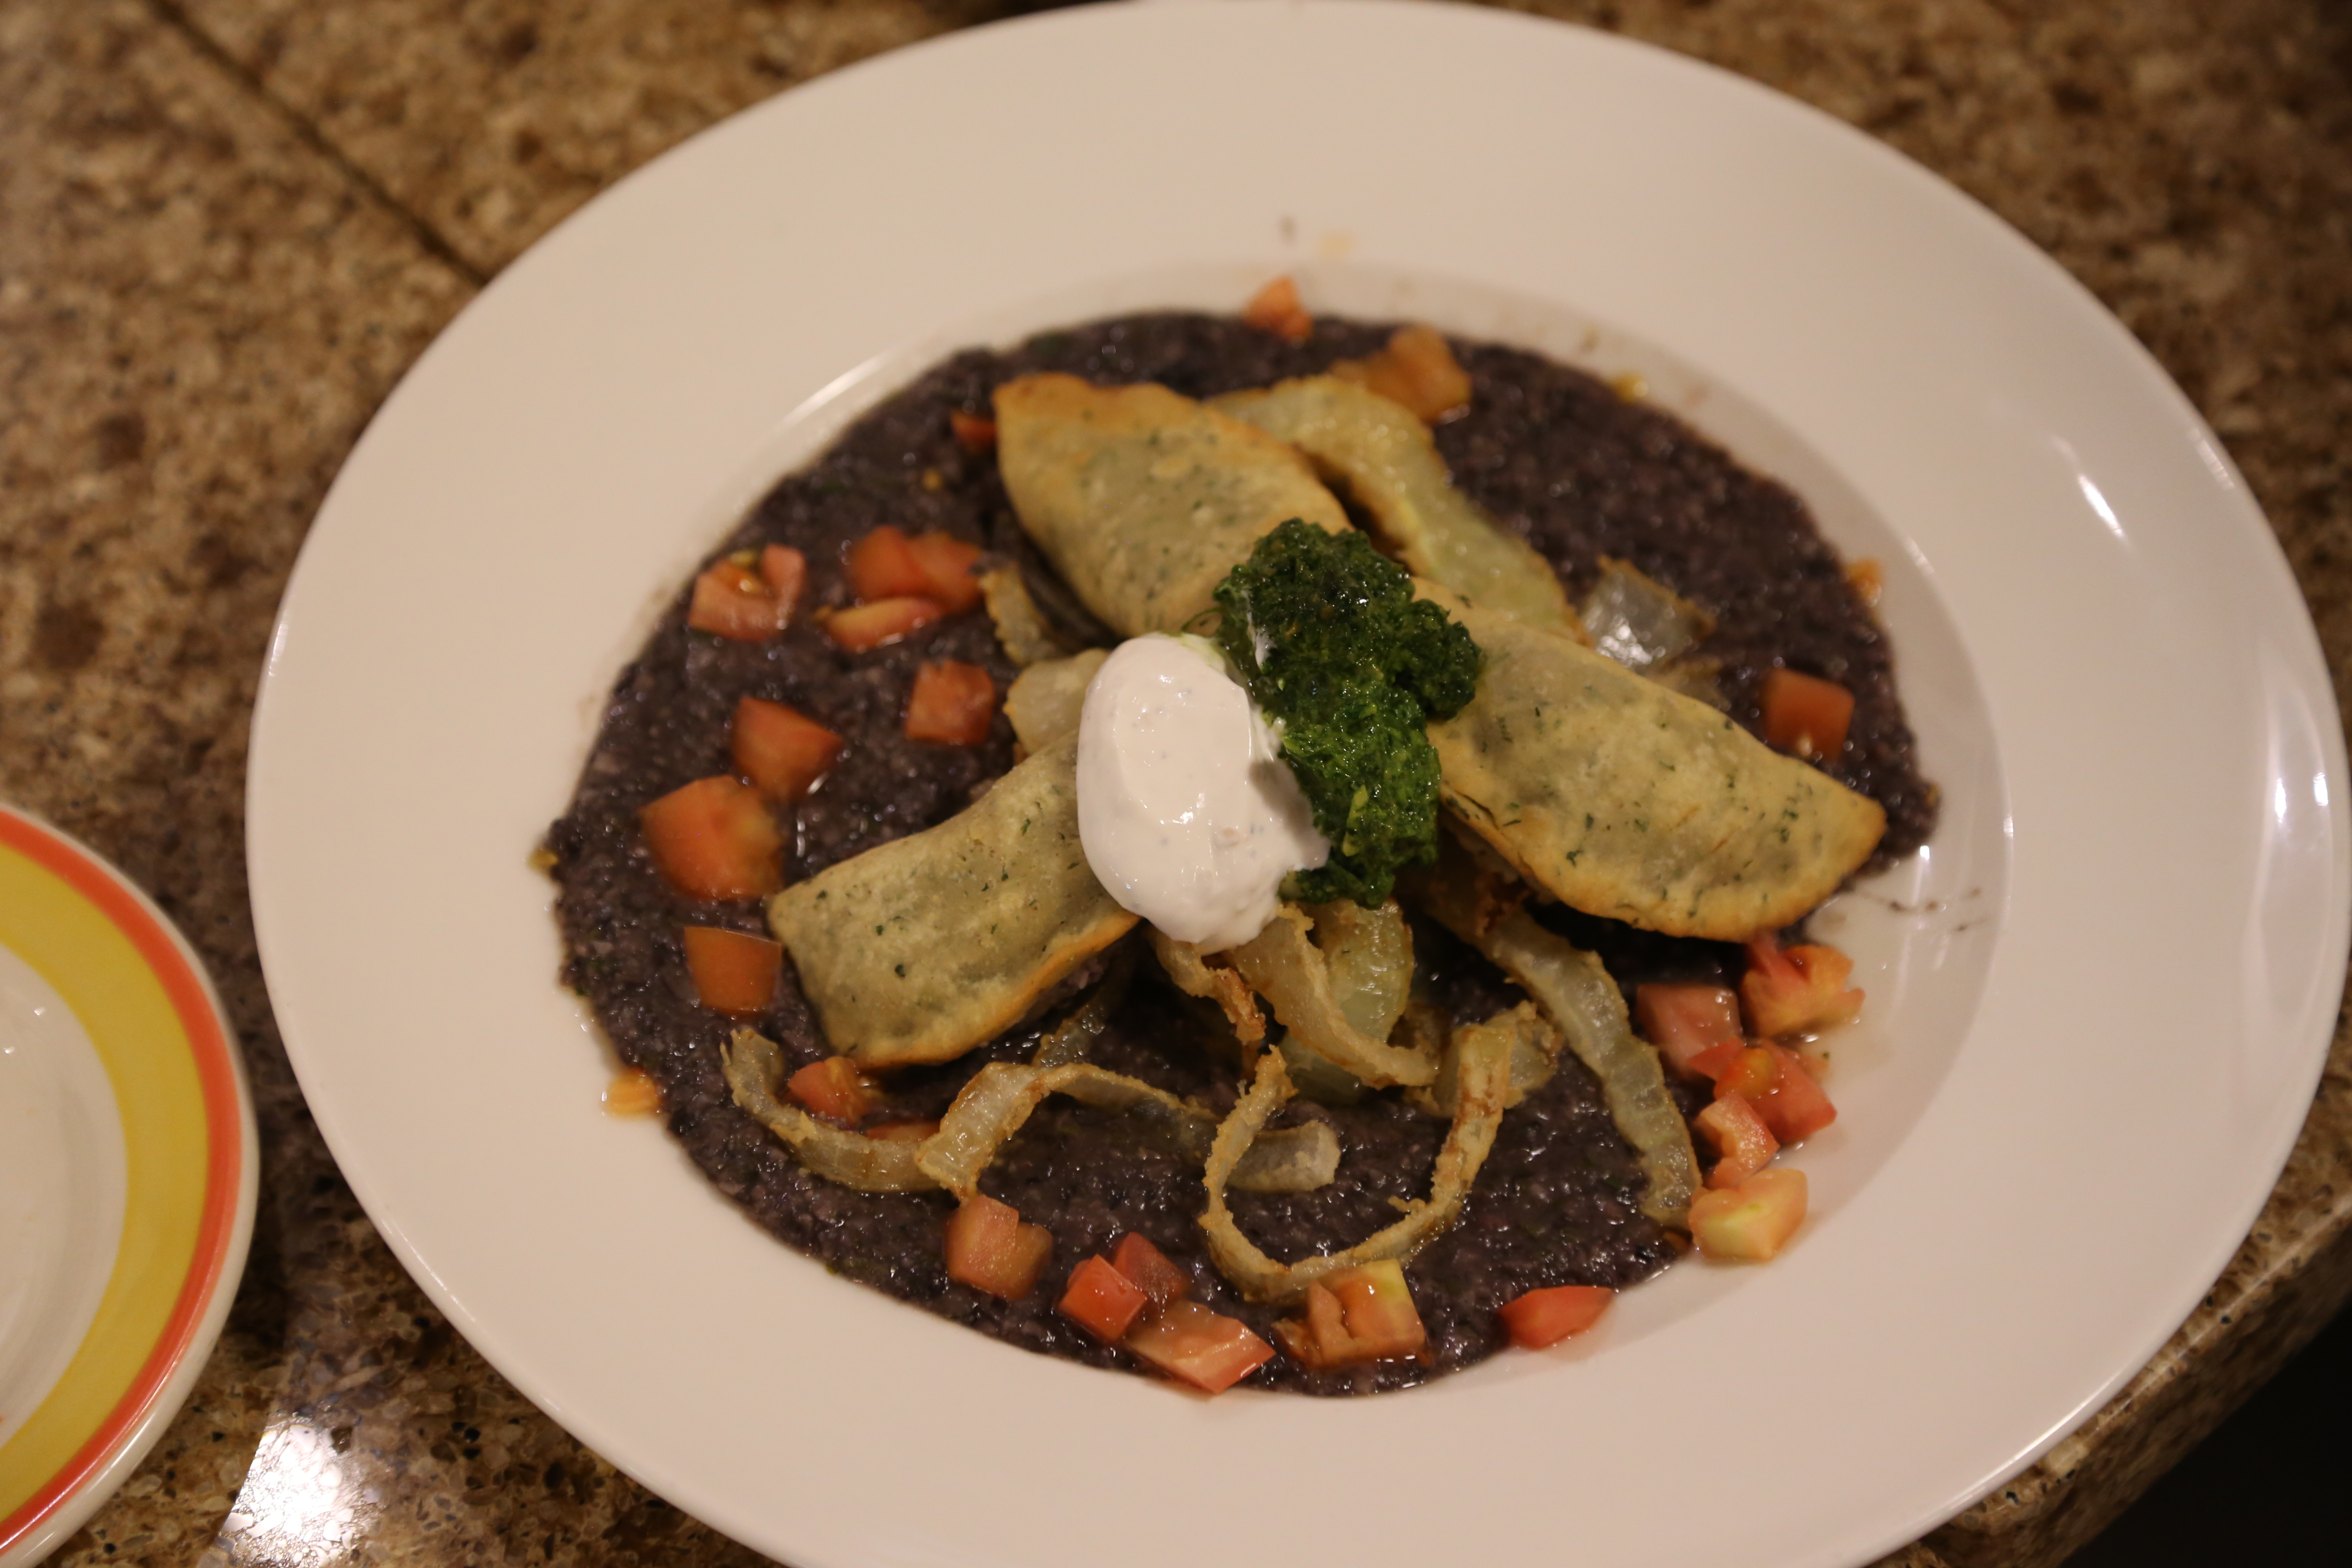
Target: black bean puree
1558 456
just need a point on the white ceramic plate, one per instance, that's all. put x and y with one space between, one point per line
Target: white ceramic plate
2099 1001
128 1171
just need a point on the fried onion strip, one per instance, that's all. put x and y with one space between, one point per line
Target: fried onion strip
752 1065
1001 1096
1283 965
1483 1071
1583 1003
1022 628
1535 1056
1195 976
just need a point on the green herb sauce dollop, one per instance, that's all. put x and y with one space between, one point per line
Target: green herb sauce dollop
1327 637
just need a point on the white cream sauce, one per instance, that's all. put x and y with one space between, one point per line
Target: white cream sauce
1188 816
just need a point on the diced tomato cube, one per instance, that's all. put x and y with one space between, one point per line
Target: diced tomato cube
1743 1145
1102 1300
975 433
633 1092
1418 369
734 973
786 570
1206 1349
1149 1269
1541 1317
863 626
1805 714
1788 990
733 601
989 1249
1359 1314
781 749
1276 309
946 563
714 839
1683 1021
1752 1222
1750 1075
1711 1062
834 1088
882 565
951 705
1794 1107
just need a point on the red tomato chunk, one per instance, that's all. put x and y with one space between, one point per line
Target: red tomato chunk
989 1249
1276 309
1359 1314
946 563
1542 1318
863 627
733 600
781 749
1148 1268
882 565
834 1088
1207 1349
714 839
1102 1300
1794 1107
1752 1222
734 973
1743 1145
1805 714
1789 991
973 432
952 704
1686 1021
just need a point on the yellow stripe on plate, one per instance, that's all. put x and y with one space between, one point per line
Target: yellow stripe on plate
150 1062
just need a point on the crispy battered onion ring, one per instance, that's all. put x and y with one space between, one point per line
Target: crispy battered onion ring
1369 956
1534 1054
1000 1097
752 1064
1482 1072
1286 967
1577 995
1195 976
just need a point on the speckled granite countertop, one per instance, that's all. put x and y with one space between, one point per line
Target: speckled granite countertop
226 228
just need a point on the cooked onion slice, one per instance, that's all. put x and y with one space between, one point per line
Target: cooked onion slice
1286 967
1000 1097
1483 1074
1581 999
1027 636
752 1065
1195 976
1369 955
1651 629
1534 1054
1044 698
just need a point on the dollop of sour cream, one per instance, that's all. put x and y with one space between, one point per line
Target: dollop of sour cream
1187 814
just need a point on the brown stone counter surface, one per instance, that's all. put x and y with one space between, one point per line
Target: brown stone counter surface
226 228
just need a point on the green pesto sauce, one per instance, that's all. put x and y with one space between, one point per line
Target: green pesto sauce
1327 638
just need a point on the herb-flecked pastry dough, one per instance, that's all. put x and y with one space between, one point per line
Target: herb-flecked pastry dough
1626 800
1383 454
920 948
1143 499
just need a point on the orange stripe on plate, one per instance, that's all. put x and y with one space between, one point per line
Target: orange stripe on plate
215 1072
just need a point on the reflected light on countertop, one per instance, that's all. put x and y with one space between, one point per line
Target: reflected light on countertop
298 1508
